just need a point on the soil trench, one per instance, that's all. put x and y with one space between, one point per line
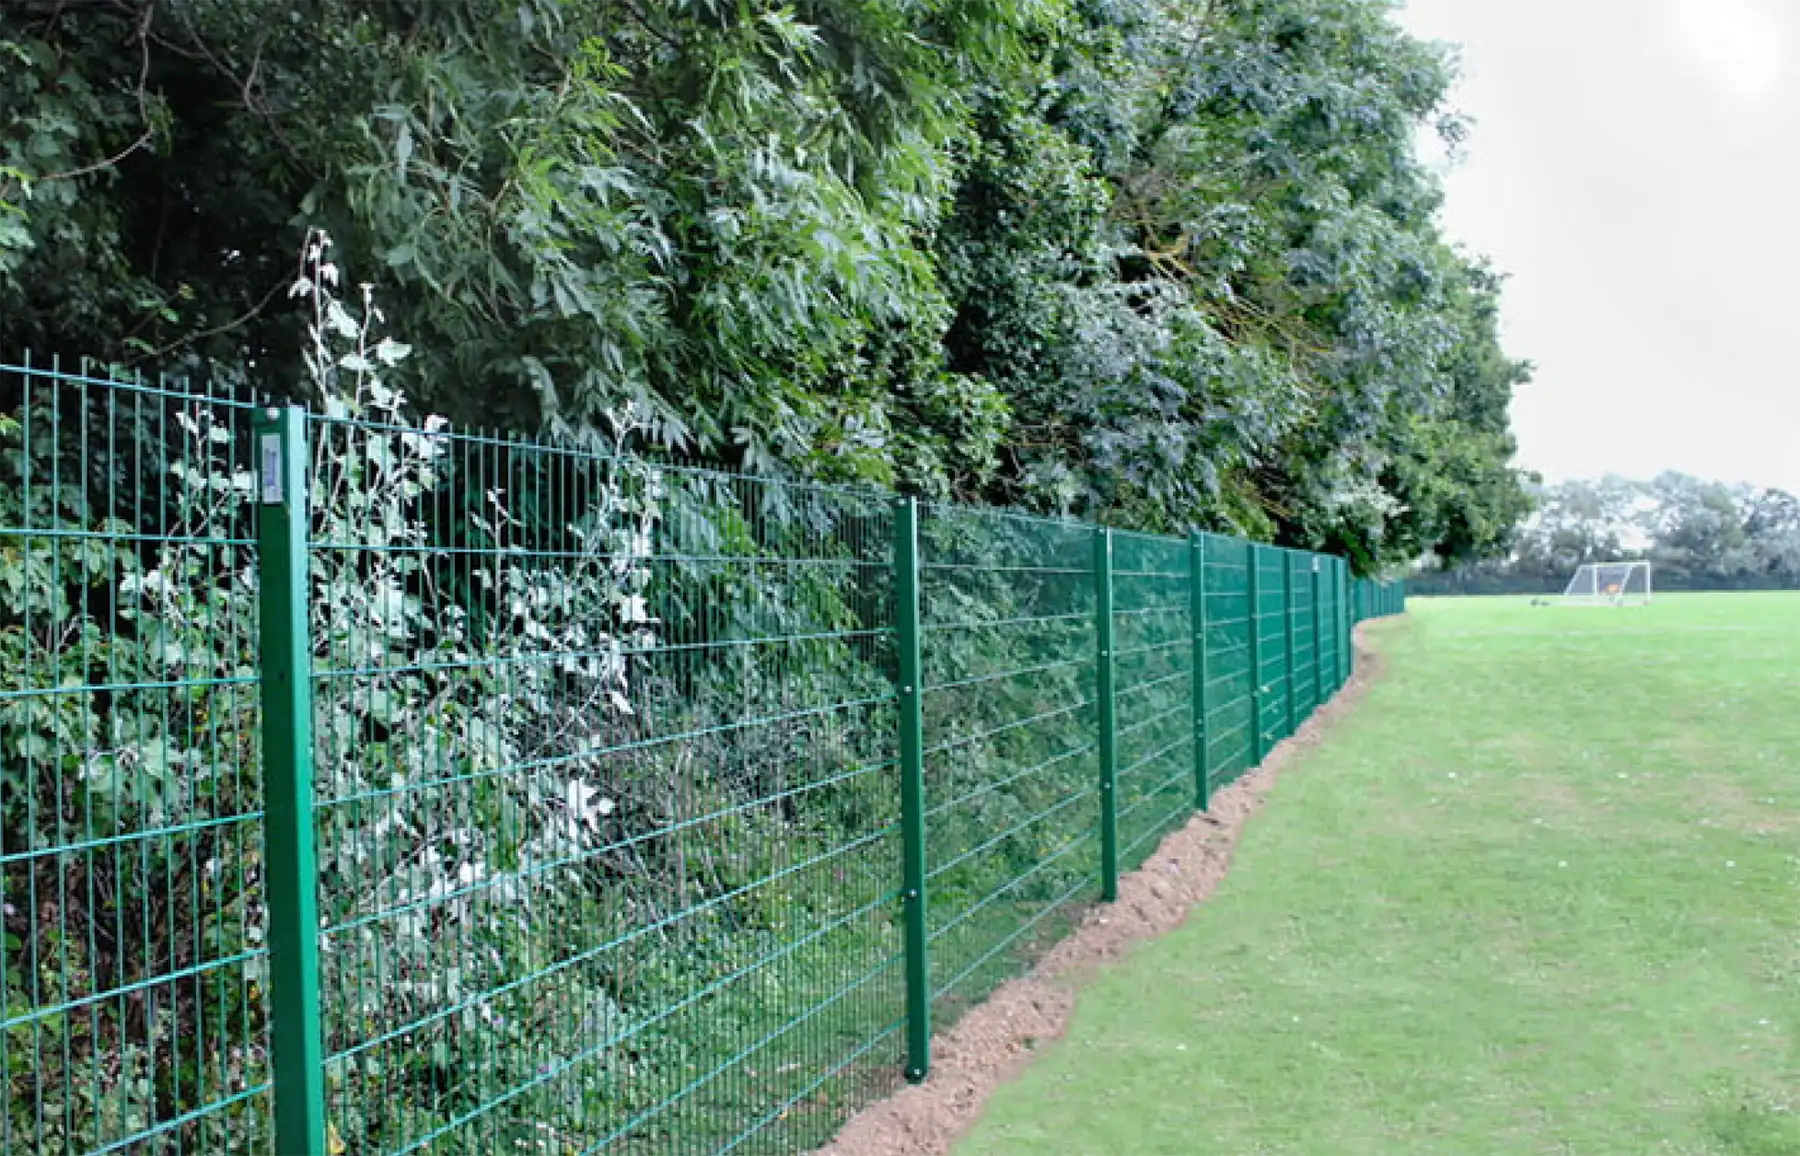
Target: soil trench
992 1042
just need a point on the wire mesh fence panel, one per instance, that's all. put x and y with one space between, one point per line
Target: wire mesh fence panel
605 771
1230 707
1300 624
1325 642
606 801
1011 748
1154 661
1373 598
131 839
1271 631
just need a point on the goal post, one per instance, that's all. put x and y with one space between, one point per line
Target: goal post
1609 584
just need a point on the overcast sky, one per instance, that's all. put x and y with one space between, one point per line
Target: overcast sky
1636 167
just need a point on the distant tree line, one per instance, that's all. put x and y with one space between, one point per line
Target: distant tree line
1697 534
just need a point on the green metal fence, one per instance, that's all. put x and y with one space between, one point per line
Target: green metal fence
371 787
1373 599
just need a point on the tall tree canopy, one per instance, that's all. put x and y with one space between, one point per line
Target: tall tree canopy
1172 263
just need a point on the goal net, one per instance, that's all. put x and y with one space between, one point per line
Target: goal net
1610 584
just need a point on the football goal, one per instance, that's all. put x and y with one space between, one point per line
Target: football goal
1609 584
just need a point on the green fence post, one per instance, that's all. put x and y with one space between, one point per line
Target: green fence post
1287 617
297 1036
1106 667
1318 636
912 789
1257 746
1202 672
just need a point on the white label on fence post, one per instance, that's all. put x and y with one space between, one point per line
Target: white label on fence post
271 469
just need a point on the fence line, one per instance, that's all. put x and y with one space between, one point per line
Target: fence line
372 787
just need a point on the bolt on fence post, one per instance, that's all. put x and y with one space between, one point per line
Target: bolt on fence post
1202 672
1318 636
295 1027
912 788
1287 618
1257 746
1106 669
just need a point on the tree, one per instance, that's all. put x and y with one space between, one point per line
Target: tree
1173 263
1772 523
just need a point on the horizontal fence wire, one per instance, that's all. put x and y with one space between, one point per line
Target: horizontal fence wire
606 773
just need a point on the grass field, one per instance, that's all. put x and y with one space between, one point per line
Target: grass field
1539 893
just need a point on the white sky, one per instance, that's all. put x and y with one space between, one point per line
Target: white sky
1636 167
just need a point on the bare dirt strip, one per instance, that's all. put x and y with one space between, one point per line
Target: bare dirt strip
991 1043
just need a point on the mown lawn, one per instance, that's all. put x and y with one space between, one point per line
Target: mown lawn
1540 893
